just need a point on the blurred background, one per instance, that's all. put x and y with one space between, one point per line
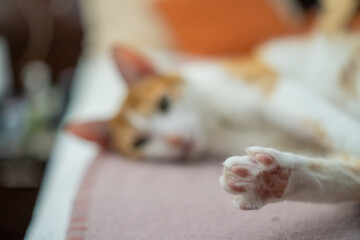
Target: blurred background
43 41
40 43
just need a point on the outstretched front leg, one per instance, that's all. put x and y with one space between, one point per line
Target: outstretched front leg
267 175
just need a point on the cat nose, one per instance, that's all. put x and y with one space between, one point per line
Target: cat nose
175 141
180 143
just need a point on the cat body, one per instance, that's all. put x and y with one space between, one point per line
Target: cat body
312 99
281 97
299 95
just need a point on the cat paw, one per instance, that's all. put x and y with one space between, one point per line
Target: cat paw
256 179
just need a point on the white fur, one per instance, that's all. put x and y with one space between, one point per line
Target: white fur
313 93
224 115
334 183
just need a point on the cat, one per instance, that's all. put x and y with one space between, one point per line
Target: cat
299 97
327 103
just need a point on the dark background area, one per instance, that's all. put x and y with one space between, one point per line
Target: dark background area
49 31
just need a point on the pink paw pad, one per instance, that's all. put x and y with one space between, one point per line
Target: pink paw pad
265 159
255 179
240 171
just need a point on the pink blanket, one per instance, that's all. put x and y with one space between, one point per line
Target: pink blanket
121 199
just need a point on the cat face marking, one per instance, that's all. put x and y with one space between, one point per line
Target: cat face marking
156 119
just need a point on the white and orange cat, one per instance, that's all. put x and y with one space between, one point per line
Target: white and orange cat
294 96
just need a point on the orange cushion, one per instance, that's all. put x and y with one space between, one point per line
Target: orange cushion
223 26
355 24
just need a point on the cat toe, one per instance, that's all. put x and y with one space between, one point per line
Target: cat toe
254 179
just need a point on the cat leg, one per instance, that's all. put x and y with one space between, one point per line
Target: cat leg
267 175
302 111
297 108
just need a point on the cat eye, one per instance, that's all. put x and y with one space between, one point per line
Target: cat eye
164 104
141 141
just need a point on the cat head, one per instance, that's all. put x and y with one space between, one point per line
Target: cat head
158 119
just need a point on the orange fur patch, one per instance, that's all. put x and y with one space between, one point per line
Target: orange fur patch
255 72
348 76
316 128
123 135
351 162
355 168
344 157
316 166
142 99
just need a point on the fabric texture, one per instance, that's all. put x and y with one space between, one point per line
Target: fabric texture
121 199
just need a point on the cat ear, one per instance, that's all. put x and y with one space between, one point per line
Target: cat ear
96 131
132 65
